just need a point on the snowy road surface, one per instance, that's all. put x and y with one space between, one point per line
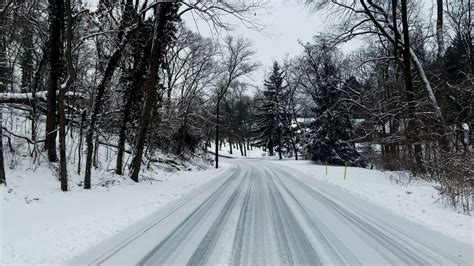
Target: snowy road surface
259 213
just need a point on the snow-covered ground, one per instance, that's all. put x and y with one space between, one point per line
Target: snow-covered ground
263 214
254 152
417 200
42 225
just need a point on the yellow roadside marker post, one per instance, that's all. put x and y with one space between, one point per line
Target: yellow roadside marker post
345 169
326 168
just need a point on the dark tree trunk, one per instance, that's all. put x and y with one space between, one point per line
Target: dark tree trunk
61 99
122 134
217 134
295 150
412 129
81 135
157 53
439 28
3 88
270 147
3 179
62 141
109 72
56 21
230 145
240 147
27 58
395 27
129 99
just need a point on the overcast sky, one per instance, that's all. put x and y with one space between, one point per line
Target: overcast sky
285 22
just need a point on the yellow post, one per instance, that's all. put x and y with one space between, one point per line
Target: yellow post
326 168
345 169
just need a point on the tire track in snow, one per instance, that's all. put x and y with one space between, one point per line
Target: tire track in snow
293 239
242 221
208 243
111 251
166 248
390 245
271 217
336 250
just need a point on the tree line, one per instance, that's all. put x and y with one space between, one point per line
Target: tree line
402 101
129 75
132 77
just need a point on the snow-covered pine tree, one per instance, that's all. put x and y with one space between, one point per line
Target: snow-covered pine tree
272 131
330 138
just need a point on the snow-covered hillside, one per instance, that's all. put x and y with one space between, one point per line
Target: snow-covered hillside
41 224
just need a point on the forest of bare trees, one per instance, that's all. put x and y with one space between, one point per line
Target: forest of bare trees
410 89
131 77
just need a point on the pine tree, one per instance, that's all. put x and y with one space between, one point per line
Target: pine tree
272 131
330 138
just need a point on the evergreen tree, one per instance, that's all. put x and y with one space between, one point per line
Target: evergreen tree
330 138
272 131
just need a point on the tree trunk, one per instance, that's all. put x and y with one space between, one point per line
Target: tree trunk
62 141
27 57
157 53
81 136
395 27
122 134
109 72
217 134
439 28
3 178
295 150
270 147
412 128
129 14
56 20
3 88
61 99
417 64
240 147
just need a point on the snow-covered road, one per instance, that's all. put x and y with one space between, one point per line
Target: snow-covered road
262 214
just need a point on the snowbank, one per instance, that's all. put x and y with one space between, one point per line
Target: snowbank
255 152
42 225
417 201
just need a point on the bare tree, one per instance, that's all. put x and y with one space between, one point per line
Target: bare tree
124 32
236 63
3 81
61 97
368 17
439 28
56 19
164 13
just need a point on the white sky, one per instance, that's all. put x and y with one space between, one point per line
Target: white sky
285 22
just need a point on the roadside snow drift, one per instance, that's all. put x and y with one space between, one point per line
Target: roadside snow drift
42 225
